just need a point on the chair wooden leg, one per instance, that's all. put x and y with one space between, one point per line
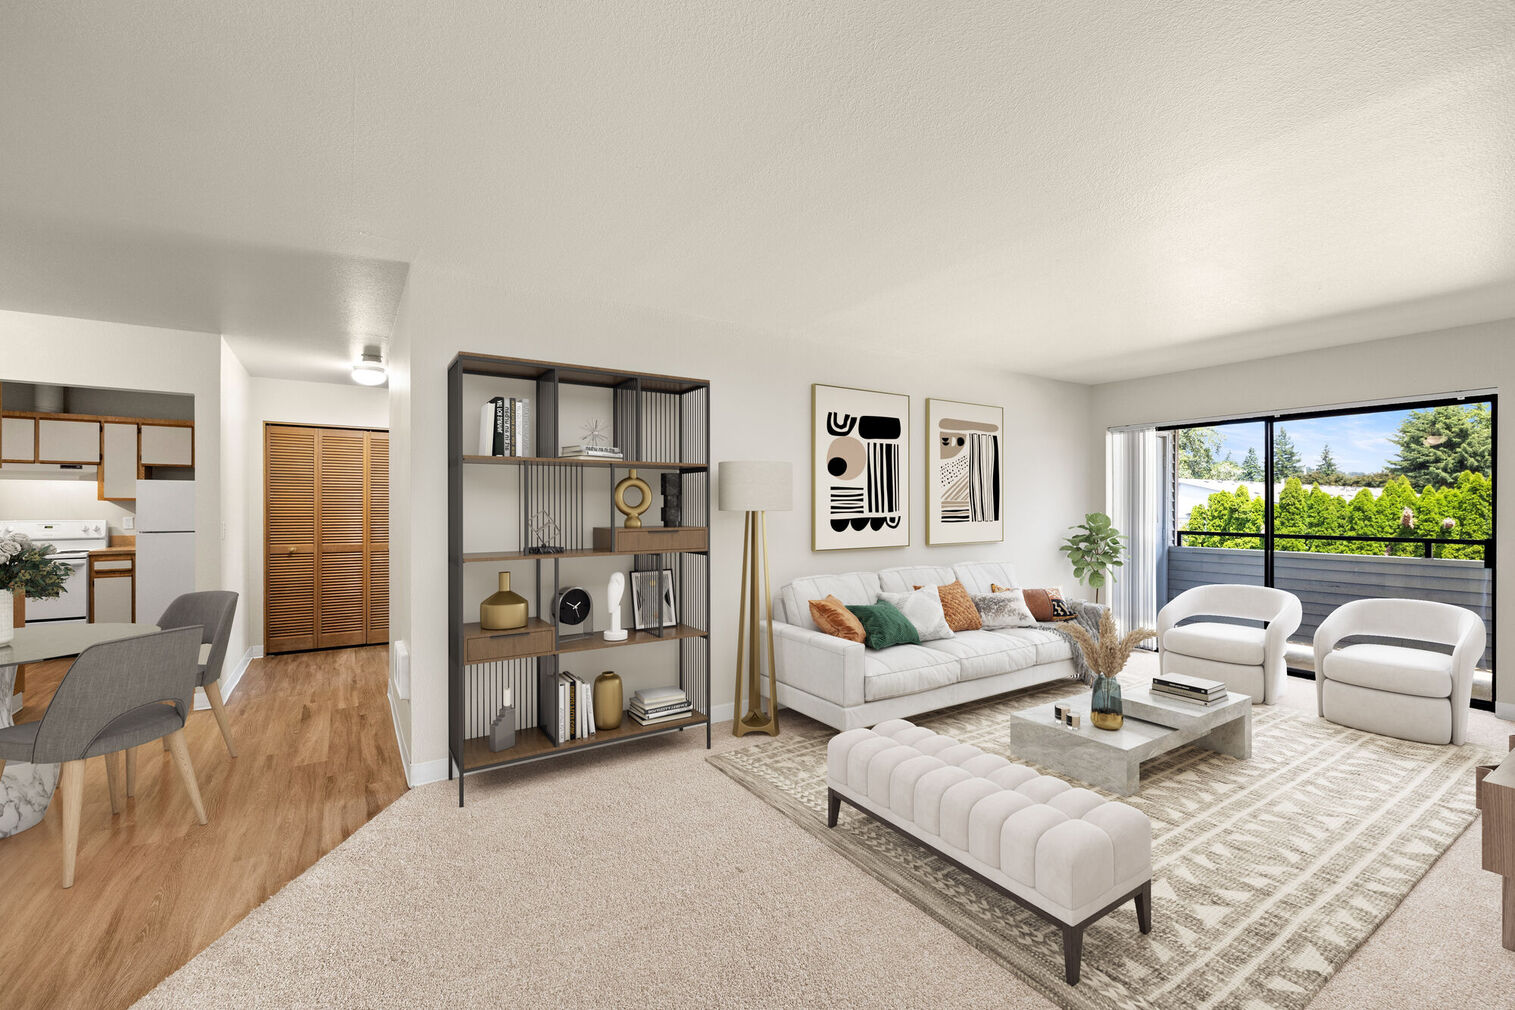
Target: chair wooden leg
131 771
213 693
73 803
113 781
2 767
180 750
1144 908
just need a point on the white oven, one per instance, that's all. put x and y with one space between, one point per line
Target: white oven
72 540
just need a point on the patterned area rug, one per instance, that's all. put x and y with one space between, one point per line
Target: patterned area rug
1267 873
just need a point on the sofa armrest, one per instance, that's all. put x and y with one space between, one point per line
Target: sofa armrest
819 664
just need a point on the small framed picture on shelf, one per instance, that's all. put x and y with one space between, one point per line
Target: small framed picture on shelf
650 592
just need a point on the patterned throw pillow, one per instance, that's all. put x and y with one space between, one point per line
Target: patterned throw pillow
833 617
923 609
1004 609
962 615
885 626
1045 604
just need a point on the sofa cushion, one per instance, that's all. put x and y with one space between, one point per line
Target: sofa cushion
1003 610
986 653
902 580
962 615
852 588
922 608
1395 668
906 669
832 616
978 576
1226 643
1050 646
885 626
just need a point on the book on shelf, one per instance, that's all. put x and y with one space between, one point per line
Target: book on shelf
652 697
491 437
654 720
521 428
682 706
590 452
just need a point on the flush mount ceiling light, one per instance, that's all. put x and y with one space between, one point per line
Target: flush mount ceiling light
369 370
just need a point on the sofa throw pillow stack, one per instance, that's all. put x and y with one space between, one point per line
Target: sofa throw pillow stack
1004 609
923 609
962 615
1045 604
885 626
832 616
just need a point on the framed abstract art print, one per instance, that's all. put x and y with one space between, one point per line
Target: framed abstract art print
861 462
965 472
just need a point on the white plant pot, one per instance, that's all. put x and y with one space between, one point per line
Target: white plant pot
7 616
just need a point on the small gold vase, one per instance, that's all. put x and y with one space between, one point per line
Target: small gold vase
608 701
504 610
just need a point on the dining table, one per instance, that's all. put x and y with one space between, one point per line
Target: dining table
27 789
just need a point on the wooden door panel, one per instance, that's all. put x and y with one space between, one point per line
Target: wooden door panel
289 604
378 597
342 605
378 538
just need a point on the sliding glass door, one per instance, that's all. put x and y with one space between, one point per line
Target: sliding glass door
1381 502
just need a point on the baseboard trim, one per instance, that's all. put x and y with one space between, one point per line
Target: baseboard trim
1505 710
229 681
415 774
722 713
428 771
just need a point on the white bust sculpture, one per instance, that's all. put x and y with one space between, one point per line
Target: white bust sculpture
614 589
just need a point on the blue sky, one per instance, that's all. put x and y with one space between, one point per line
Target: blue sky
1360 442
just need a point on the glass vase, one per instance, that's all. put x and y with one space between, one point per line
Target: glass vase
1104 705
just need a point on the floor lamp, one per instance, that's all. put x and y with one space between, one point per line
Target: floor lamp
756 488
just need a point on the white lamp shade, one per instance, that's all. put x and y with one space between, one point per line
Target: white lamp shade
755 486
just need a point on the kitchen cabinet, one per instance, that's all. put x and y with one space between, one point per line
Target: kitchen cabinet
118 467
67 441
167 444
112 587
18 439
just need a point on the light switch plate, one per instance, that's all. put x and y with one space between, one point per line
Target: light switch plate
128 522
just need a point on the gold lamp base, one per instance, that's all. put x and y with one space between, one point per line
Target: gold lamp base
755 607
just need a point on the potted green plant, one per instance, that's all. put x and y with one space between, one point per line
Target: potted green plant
26 568
1095 550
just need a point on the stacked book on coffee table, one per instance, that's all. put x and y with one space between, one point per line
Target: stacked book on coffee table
659 705
1194 690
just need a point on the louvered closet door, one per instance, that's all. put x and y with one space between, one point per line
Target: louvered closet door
289 581
341 556
378 538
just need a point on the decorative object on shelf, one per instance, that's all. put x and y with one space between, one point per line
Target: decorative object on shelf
633 513
1106 657
860 456
25 568
673 498
609 702
1095 550
615 588
965 472
651 598
596 435
755 487
546 535
502 732
572 606
503 610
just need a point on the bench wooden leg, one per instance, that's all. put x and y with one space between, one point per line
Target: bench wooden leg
833 807
1073 952
1144 908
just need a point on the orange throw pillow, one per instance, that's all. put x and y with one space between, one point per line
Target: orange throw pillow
832 616
961 614
1044 604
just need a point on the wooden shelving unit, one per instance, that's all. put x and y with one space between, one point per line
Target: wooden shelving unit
662 419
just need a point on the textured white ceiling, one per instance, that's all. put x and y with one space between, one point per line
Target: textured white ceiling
1080 189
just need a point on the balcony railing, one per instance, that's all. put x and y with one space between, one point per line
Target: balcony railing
1426 544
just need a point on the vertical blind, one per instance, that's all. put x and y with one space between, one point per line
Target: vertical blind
1132 478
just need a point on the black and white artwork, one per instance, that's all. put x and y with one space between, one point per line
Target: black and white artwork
646 597
965 472
861 468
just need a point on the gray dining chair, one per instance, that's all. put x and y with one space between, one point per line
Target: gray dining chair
116 695
212 611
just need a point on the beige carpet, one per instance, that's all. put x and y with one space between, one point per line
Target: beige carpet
644 877
1268 872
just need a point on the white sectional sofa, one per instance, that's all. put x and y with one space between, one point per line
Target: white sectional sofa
846 685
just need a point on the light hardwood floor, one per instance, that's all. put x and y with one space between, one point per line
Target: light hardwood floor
317 760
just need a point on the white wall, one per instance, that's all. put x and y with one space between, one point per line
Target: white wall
761 410
86 352
29 498
235 478
290 401
1424 364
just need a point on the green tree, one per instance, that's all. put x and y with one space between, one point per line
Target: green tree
1396 517
1326 469
1251 466
1286 462
1290 515
1325 514
1362 521
1226 469
1196 452
1438 444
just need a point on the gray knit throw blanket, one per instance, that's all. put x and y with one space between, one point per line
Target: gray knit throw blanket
1088 616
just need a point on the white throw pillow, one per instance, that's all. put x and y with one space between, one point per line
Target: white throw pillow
923 609
1004 609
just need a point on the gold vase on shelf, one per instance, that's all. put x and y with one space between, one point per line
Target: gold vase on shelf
504 610
609 703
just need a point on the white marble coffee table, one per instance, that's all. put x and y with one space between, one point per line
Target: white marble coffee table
1154 725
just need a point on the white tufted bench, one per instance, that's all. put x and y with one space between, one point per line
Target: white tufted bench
1068 854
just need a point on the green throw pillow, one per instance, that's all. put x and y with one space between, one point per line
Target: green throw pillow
884 625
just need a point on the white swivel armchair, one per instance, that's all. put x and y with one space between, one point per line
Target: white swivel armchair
1248 660
1396 690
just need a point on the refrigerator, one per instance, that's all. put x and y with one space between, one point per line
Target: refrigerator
165 544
